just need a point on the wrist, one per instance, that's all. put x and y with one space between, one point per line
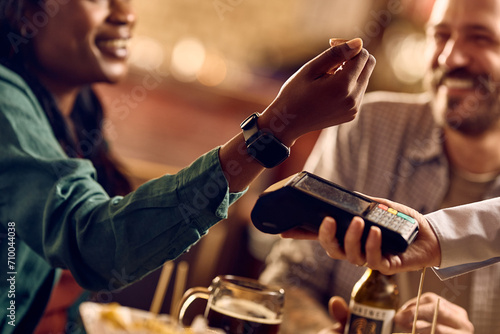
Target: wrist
279 122
435 249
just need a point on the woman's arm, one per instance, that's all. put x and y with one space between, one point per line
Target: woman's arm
65 216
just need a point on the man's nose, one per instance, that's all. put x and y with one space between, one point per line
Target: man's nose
454 55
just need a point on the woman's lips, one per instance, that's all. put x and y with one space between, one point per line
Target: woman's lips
117 47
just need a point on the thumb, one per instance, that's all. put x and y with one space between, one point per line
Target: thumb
332 58
338 309
347 50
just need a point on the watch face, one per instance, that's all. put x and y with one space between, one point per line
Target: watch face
268 150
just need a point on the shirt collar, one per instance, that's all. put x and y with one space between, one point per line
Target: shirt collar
429 145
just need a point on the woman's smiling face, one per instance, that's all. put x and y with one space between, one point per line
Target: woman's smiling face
82 41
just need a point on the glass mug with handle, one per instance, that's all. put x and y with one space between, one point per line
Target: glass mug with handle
238 305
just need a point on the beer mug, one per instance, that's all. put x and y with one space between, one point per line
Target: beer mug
238 305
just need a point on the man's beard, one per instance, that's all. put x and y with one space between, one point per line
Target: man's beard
472 114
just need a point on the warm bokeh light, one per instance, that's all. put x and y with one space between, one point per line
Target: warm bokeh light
188 57
146 53
408 62
214 70
214 42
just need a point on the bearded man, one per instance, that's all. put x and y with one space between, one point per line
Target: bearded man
427 151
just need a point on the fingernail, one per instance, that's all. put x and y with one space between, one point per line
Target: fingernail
329 224
355 43
336 41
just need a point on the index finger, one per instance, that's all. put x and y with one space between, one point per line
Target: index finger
327 239
332 57
373 248
353 68
299 233
353 241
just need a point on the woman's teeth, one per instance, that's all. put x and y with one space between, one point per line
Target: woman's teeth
114 43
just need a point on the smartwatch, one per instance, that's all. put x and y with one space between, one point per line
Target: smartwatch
263 146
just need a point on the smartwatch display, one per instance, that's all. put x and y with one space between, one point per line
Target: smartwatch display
262 145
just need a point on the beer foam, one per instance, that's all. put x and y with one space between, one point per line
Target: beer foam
246 310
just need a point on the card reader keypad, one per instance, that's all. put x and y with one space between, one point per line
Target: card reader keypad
392 220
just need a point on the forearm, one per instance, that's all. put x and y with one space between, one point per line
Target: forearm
239 168
72 223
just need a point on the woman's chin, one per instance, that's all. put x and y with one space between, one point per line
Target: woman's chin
115 75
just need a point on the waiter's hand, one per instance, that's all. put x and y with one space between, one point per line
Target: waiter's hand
423 252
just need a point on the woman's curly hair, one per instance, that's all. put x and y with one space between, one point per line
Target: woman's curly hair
11 14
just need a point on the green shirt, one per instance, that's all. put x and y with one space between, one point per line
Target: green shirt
53 213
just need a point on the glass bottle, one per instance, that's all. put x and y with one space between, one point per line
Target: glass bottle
374 302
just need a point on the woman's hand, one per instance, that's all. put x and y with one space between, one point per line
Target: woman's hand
326 91
317 96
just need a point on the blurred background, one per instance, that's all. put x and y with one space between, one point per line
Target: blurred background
198 68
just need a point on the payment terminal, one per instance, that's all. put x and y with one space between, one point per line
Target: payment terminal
304 199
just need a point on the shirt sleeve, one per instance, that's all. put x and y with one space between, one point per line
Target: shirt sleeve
469 236
64 215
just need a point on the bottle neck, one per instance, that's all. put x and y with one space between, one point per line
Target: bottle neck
377 290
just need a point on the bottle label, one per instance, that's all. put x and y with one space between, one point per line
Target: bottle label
369 320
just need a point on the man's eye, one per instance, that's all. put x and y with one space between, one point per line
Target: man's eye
441 36
481 39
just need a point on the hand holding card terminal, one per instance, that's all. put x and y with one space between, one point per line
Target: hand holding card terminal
305 199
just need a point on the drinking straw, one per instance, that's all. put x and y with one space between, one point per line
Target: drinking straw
180 284
434 320
161 287
418 301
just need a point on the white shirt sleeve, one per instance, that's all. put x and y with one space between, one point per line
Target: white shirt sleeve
469 236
